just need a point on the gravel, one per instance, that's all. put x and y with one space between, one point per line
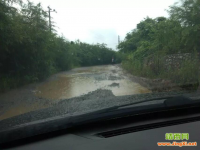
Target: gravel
92 101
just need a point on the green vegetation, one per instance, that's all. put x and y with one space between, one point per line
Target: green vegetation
29 52
154 39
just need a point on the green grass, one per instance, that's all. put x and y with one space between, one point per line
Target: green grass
186 74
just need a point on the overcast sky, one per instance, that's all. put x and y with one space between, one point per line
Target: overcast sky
101 21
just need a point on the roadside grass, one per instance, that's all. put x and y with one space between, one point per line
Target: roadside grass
136 68
186 74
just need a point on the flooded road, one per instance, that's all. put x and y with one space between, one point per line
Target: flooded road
65 85
83 80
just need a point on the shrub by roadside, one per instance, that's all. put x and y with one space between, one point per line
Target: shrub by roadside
185 77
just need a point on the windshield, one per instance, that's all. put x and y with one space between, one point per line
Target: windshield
68 57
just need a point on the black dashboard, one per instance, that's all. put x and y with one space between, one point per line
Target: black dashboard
129 133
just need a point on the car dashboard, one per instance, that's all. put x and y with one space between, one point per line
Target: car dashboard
142 131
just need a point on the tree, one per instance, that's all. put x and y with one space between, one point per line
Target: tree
187 13
30 52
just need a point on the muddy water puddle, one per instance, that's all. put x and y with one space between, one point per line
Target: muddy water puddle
66 85
82 81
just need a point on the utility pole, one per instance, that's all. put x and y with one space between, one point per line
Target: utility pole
118 39
49 11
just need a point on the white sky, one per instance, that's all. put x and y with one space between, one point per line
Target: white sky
101 21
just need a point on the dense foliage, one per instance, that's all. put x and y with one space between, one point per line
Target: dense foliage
156 38
29 51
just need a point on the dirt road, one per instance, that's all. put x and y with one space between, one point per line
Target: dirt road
66 85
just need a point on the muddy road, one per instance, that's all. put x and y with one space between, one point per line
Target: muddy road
65 87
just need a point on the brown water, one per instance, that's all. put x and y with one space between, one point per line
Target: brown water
20 109
67 85
84 80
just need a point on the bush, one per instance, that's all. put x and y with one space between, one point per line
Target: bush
186 74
